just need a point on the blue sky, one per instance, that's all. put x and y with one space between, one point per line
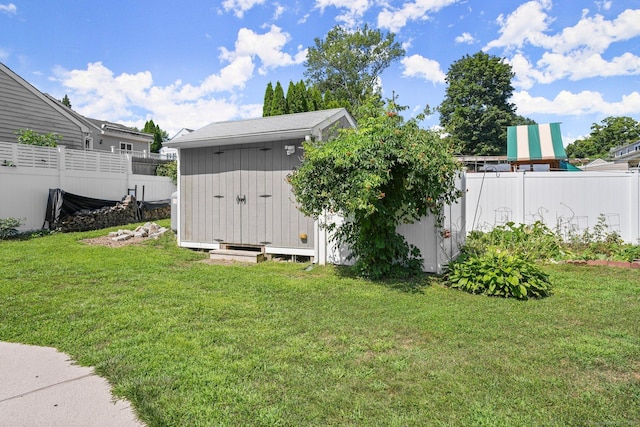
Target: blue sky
187 64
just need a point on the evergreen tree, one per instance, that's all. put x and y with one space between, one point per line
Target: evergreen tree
314 99
268 98
159 135
278 103
303 95
65 101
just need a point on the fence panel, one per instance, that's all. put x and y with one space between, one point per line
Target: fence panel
568 202
28 172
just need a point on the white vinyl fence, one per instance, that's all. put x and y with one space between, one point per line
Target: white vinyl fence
567 202
28 172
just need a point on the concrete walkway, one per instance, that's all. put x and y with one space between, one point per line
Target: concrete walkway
39 386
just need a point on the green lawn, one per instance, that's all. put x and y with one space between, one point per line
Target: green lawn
193 344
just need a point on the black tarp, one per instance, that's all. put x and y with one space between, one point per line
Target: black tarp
62 204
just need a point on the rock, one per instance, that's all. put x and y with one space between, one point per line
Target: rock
122 237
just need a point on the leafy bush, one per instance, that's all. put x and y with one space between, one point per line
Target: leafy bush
30 137
498 273
9 227
535 242
169 169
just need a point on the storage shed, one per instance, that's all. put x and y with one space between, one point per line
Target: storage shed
232 183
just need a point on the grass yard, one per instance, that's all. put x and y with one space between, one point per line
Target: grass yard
194 344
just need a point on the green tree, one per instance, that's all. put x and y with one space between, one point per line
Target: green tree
348 64
65 101
314 99
279 102
295 99
476 110
611 132
159 135
268 98
31 137
384 173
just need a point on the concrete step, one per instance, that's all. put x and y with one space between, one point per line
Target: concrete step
253 257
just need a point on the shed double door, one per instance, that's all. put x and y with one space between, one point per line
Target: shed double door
244 196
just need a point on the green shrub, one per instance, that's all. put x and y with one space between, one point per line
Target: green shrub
534 242
30 137
9 227
498 273
169 169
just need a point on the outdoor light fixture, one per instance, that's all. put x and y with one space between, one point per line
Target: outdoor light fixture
289 149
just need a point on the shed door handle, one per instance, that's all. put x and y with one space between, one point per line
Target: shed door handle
242 199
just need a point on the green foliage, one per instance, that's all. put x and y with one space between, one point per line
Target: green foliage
65 101
612 132
9 227
278 102
476 110
601 243
384 173
498 273
30 137
268 98
296 98
169 169
347 64
535 242
159 135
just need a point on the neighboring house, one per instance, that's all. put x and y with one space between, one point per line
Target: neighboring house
114 137
232 182
172 153
108 136
22 106
603 165
629 154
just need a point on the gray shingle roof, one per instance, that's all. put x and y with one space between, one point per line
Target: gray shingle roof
262 129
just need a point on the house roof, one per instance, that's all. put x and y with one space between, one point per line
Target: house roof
535 142
103 126
262 129
56 105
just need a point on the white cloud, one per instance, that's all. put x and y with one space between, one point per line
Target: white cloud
465 38
131 99
239 7
278 12
354 10
526 24
419 66
267 47
575 53
395 19
9 9
576 104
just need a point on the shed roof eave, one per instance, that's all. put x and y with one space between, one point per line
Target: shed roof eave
243 139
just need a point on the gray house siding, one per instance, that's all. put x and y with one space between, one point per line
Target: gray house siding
238 194
21 108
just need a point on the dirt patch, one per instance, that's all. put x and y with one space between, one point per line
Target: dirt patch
109 242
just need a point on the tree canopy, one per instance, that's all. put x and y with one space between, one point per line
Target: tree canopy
611 132
65 101
385 172
348 65
159 135
476 110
